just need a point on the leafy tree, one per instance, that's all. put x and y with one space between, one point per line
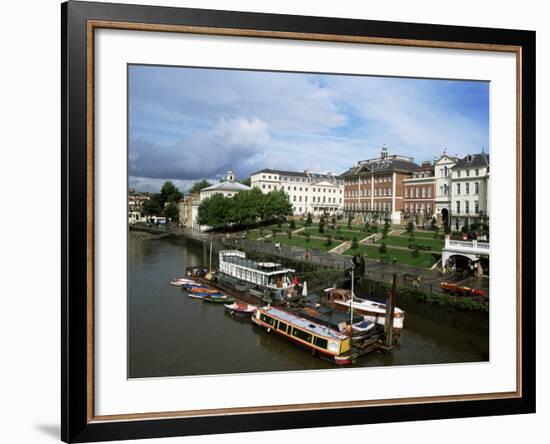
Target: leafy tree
386 224
354 243
198 186
276 204
289 232
307 237
172 212
322 225
410 227
215 211
292 225
385 232
367 227
374 228
151 207
245 181
274 232
169 193
382 249
309 220
247 207
350 220
328 241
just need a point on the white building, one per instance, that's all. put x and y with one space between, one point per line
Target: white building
228 188
442 172
470 193
308 192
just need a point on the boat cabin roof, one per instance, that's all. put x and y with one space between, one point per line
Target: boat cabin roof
303 324
269 268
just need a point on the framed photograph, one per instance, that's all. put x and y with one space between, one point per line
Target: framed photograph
275 221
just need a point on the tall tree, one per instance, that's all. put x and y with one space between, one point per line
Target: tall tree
172 212
170 193
151 207
198 186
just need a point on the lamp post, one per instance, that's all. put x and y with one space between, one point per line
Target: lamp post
352 296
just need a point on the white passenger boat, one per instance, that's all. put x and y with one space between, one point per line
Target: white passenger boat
370 310
269 279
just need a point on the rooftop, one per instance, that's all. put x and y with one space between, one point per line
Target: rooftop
304 324
227 186
296 173
472 161
264 267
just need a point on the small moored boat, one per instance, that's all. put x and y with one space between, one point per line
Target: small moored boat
240 308
370 310
204 295
203 290
218 298
180 282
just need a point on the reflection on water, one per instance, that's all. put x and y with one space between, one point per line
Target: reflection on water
173 335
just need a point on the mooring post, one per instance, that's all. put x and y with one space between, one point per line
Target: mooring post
390 308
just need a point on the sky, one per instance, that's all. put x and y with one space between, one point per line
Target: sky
188 124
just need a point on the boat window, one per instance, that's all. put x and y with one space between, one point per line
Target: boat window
320 342
267 319
282 326
300 334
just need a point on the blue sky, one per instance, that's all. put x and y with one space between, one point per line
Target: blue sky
187 124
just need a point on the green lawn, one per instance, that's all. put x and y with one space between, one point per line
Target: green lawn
424 234
300 241
344 232
424 260
403 241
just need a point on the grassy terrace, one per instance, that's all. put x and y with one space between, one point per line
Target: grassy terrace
424 260
300 241
403 241
345 233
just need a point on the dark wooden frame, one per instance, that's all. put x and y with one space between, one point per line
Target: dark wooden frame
79 19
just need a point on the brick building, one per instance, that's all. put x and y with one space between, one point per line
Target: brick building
419 196
374 188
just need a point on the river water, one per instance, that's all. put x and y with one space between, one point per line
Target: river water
170 334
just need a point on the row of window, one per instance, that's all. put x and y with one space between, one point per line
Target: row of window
367 180
467 188
417 208
378 206
296 332
288 188
367 193
467 207
458 173
294 179
418 192
330 199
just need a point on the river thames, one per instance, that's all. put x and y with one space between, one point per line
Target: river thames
170 334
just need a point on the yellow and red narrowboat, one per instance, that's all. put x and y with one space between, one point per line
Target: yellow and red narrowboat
321 340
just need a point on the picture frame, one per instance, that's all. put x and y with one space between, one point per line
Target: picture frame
80 20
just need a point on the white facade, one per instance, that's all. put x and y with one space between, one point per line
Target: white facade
308 192
443 177
470 199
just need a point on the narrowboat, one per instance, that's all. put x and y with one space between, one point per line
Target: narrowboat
270 281
370 310
326 342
